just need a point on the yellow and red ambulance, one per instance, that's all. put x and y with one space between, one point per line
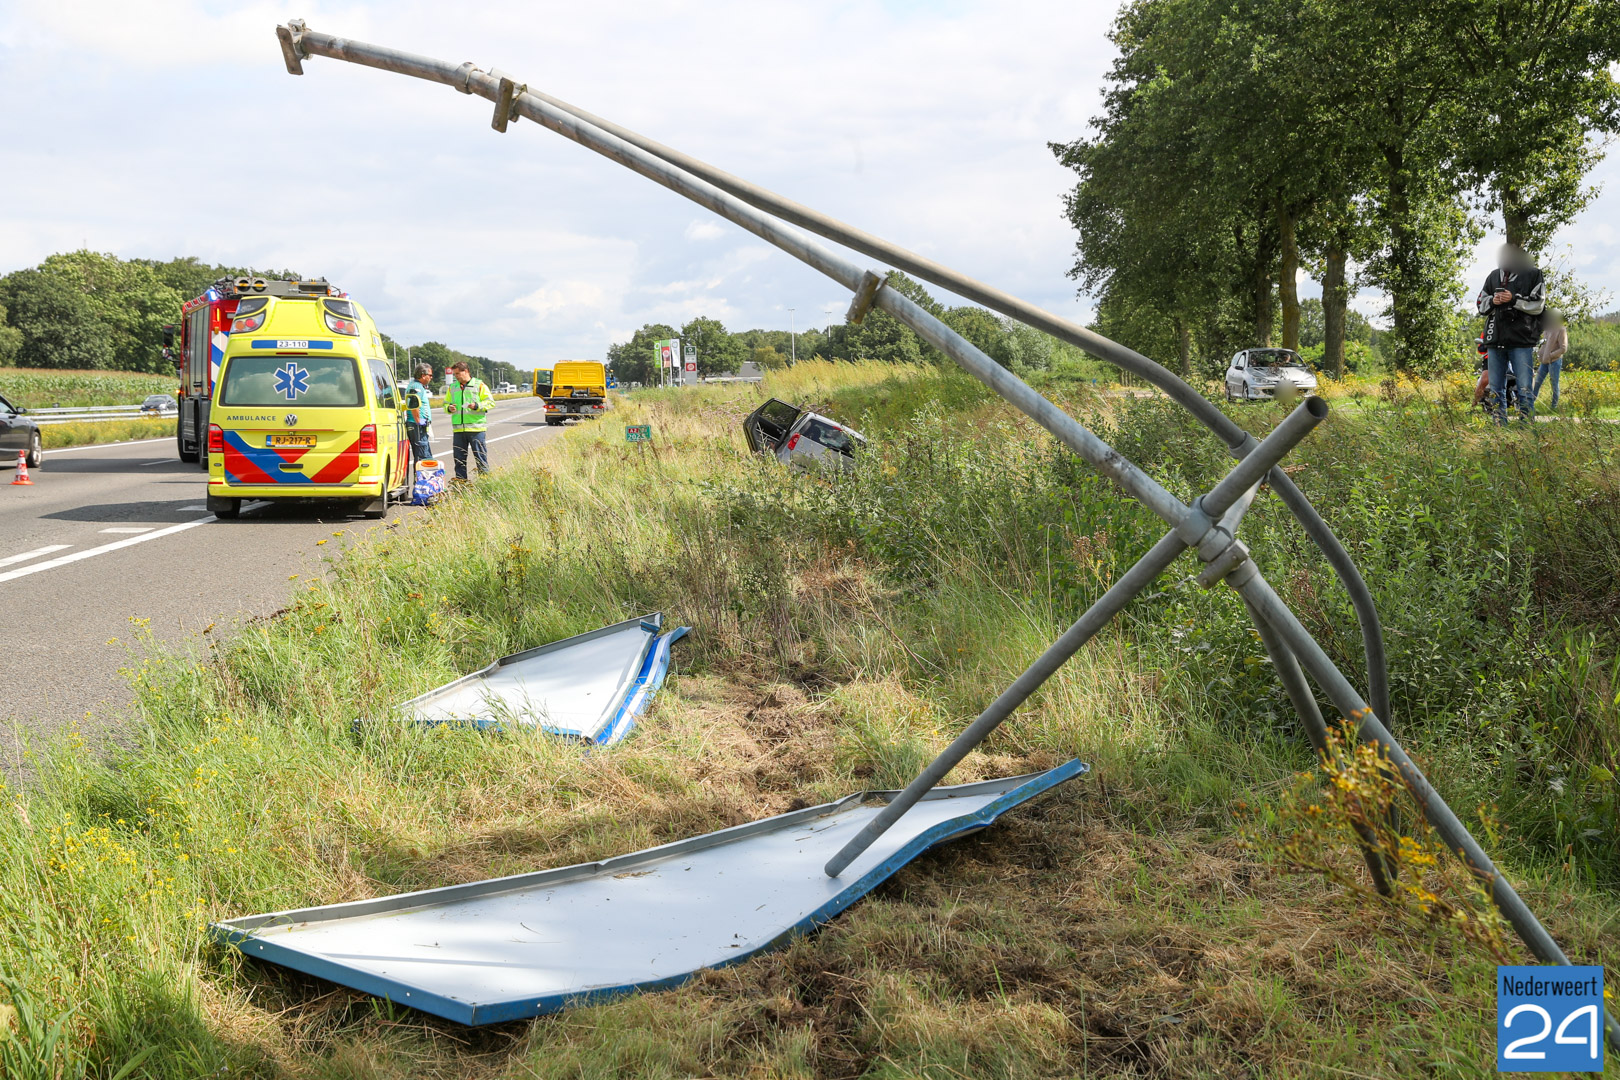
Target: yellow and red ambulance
305 405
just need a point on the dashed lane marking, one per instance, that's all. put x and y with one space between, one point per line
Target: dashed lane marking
89 553
128 529
36 553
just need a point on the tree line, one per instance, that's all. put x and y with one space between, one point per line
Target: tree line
1364 142
879 337
84 310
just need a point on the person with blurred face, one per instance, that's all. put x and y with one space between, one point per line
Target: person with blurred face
1512 302
1550 355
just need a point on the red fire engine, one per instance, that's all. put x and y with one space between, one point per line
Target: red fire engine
204 324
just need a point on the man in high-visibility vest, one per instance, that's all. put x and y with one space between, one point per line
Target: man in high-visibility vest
468 401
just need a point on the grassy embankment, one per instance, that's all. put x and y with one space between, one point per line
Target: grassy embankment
843 630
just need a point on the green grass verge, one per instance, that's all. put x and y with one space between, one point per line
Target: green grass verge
104 431
845 628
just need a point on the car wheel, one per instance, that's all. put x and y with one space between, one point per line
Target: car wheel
1248 392
36 452
225 509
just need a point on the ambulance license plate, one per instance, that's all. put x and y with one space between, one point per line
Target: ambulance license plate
291 440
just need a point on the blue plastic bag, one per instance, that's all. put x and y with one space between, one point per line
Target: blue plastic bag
429 484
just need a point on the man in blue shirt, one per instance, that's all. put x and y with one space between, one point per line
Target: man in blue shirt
419 413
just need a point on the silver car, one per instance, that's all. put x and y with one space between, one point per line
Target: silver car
1255 374
799 438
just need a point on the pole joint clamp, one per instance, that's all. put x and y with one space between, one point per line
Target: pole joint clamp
292 51
506 95
858 307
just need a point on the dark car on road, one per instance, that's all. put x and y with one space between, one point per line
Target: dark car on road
18 433
159 404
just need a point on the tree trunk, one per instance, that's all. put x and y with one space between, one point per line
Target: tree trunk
1515 218
1184 343
1265 246
1335 298
1401 257
1287 279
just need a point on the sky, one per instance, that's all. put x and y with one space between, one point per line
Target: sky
172 128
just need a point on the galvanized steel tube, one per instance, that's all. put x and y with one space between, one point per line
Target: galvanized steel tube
828 227
1263 599
1120 593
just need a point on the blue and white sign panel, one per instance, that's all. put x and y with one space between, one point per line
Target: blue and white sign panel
1549 1019
536 943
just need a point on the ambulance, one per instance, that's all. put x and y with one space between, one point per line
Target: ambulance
305 405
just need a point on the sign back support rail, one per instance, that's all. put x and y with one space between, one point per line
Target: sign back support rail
764 214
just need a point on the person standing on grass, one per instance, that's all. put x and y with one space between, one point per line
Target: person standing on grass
419 413
468 402
1511 302
1550 356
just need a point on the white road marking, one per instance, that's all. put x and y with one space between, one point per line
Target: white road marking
105 445
183 509
513 435
159 461
36 553
51 564
128 529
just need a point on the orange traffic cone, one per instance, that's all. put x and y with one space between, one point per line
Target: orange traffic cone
22 469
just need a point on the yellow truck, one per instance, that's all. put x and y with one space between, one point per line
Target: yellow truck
578 389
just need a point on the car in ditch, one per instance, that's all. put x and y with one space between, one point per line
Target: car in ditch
800 438
1260 373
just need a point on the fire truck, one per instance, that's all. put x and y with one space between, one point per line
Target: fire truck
205 325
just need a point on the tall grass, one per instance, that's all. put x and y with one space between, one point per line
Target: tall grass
846 626
87 432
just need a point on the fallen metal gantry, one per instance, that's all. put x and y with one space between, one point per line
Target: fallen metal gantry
1208 525
536 943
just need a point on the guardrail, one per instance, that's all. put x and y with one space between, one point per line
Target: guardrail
91 413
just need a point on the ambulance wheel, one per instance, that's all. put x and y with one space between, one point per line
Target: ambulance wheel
225 509
36 453
378 508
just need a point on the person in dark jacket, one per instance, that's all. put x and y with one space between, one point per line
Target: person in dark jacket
1511 302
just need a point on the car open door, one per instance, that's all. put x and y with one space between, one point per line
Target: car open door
769 424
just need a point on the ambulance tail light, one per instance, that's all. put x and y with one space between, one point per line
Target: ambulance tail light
216 439
247 324
368 439
339 325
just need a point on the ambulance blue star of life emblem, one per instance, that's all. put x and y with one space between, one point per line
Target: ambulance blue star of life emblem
291 380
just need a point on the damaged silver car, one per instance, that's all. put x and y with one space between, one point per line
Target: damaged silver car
799 438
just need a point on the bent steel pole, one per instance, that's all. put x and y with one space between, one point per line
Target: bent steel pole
1238 442
1121 592
1193 525
298 41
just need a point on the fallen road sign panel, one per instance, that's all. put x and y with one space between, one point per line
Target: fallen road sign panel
537 943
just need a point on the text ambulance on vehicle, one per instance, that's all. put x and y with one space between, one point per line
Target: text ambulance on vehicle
305 404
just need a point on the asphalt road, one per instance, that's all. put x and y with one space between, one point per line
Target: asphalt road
119 532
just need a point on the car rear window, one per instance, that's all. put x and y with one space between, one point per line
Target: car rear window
291 380
831 437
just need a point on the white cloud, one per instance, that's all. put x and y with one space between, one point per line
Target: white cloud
924 123
701 229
